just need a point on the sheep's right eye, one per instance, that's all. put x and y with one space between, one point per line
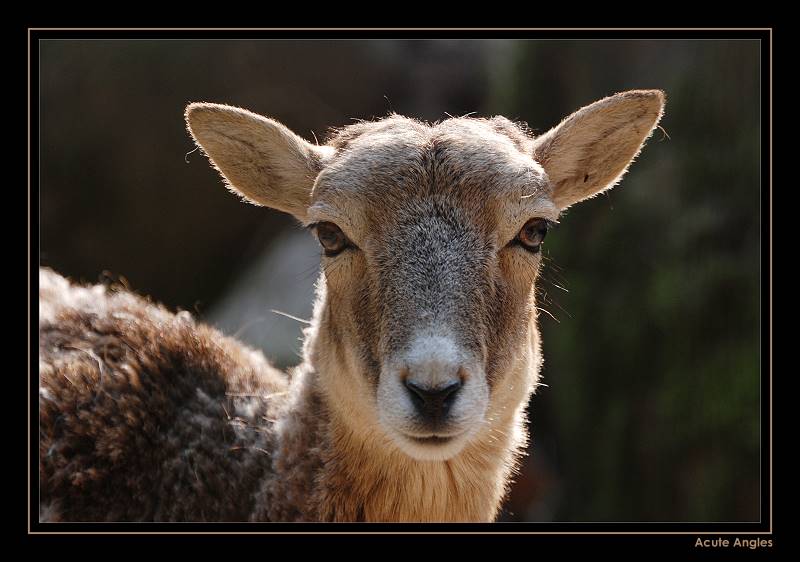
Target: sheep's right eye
331 238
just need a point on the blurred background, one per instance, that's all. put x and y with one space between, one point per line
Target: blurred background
652 361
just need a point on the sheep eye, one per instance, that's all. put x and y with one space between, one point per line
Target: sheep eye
331 238
532 235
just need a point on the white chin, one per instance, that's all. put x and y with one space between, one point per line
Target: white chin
432 449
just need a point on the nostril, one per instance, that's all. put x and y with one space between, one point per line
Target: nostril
449 392
435 399
417 393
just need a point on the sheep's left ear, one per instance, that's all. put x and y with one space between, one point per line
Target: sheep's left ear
590 151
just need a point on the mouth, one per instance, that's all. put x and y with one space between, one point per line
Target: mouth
432 440
432 446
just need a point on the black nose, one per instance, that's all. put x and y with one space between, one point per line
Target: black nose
433 403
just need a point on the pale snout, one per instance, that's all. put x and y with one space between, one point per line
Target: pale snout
433 383
432 398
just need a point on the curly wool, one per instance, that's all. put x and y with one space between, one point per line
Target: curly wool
148 415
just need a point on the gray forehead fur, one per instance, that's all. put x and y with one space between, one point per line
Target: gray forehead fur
496 149
517 133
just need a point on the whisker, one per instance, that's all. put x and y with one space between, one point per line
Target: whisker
249 324
561 308
557 286
548 313
308 272
287 315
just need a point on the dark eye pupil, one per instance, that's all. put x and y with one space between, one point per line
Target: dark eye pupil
533 233
331 237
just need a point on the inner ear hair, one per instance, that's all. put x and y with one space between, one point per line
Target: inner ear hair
590 151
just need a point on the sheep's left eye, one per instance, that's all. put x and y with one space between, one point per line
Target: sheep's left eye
532 235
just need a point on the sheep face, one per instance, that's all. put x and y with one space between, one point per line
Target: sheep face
425 333
429 289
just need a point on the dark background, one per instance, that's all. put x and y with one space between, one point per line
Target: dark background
652 358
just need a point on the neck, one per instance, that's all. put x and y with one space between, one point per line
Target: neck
366 478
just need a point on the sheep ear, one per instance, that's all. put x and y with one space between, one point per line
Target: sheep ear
258 158
590 151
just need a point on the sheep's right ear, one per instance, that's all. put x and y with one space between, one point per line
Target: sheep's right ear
258 158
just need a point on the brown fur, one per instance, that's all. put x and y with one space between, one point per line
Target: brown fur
143 413
140 411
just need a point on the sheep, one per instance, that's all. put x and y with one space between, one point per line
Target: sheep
419 361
